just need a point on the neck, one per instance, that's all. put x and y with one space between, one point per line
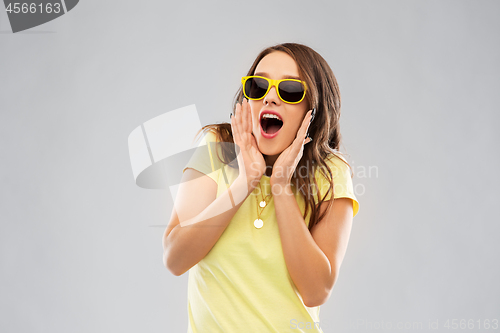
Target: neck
270 163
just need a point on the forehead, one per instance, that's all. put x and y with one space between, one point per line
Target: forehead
277 65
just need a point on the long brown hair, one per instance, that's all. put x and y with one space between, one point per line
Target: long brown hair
324 95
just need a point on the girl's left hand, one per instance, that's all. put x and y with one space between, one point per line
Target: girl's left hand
286 163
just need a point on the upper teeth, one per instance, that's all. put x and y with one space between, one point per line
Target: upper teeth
270 115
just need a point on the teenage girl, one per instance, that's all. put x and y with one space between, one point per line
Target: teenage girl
262 219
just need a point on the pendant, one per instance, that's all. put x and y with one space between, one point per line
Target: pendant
262 204
258 223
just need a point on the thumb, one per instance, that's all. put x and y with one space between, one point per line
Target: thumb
254 142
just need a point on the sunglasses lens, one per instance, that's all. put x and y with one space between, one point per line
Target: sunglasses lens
256 87
291 91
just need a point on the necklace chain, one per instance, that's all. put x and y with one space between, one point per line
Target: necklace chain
258 223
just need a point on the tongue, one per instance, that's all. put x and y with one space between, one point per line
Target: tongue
273 129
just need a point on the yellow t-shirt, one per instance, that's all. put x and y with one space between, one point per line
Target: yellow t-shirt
242 284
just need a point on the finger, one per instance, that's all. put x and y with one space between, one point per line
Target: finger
233 129
307 120
236 141
237 112
301 134
299 141
234 126
237 121
248 116
305 125
243 117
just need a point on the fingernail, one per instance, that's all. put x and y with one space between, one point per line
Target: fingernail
231 115
312 115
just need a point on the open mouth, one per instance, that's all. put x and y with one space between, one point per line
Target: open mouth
270 123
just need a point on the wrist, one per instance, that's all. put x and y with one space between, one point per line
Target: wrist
278 182
249 183
280 188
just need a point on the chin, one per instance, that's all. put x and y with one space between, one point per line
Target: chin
272 152
270 149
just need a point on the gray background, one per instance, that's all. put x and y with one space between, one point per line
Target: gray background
81 243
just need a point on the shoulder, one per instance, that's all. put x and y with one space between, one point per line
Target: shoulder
208 136
202 157
341 175
337 164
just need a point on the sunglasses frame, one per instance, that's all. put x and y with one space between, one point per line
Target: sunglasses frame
272 83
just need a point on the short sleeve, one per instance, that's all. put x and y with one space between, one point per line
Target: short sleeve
204 159
342 181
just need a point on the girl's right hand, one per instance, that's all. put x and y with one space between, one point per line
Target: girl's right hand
250 160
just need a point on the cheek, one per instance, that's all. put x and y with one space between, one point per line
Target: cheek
299 112
292 130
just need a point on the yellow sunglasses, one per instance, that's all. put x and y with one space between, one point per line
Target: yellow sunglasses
289 90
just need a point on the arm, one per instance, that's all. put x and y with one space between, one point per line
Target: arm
204 218
313 258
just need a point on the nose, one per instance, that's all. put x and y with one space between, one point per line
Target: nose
272 97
